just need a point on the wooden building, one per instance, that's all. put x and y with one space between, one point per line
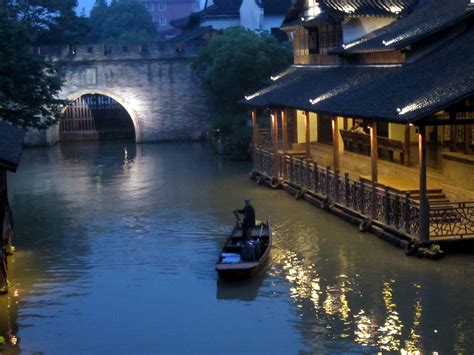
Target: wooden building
11 146
403 70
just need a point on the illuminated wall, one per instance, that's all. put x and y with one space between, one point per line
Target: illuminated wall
301 127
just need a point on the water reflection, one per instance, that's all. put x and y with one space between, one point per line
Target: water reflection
125 238
330 299
246 290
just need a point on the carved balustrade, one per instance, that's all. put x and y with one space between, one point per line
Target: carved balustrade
378 202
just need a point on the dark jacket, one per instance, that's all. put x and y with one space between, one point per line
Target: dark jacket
249 215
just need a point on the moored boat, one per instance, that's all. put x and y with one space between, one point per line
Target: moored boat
237 261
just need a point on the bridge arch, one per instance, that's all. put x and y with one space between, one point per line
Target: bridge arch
124 103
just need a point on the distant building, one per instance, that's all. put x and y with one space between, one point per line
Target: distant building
11 146
164 11
256 15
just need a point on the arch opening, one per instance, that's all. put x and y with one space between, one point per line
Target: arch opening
96 116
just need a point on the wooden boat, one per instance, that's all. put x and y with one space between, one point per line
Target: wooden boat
238 261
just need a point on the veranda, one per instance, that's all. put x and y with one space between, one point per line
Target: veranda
346 174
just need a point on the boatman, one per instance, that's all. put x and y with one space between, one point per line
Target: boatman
249 219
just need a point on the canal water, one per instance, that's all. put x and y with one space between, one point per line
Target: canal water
116 248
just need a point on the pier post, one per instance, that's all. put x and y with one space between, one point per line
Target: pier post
284 124
424 230
335 143
407 157
307 135
374 151
254 134
275 172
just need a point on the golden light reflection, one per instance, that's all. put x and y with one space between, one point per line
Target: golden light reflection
390 332
414 341
366 327
336 301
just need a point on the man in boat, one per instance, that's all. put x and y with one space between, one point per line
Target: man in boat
249 219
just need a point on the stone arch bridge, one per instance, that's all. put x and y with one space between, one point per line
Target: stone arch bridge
153 83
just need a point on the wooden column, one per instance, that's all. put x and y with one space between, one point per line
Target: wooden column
374 154
467 139
407 146
335 144
254 132
424 230
275 142
284 124
307 136
453 138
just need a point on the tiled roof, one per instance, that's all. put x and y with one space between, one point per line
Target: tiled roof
355 8
220 9
427 17
401 94
225 7
323 17
352 8
11 145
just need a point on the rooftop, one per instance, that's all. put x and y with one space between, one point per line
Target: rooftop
413 93
427 17
358 8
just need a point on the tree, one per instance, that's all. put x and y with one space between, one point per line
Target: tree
233 64
124 21
237 63
96 20
51 21
28 85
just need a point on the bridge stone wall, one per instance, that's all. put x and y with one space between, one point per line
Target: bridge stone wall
155 84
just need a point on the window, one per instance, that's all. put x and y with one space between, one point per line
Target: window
162 6
313 45
163 21
90 50
150 6
125 49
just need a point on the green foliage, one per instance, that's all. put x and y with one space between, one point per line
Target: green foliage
235 134
124 21
51 21
435 248
28 85
237 63
234 64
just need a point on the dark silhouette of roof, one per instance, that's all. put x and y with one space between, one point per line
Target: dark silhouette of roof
274 7
230 8
396 93
11 146
224 8
426 18
220 9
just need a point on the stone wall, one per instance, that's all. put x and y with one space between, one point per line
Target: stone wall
156 86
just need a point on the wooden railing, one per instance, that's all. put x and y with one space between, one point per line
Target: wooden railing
377 202
452 219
